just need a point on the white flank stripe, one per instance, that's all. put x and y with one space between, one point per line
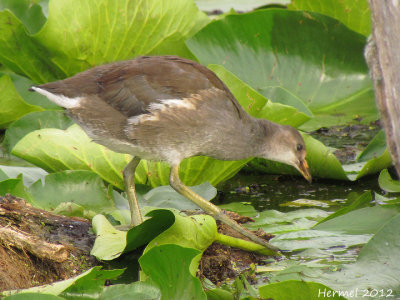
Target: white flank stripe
158 107
60 100
166 103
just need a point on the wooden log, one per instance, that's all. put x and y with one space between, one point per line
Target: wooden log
39 247
383 57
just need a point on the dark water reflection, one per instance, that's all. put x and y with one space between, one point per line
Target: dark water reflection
274 191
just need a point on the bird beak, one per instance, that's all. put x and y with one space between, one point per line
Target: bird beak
304 170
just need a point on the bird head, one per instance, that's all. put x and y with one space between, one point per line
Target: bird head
286 145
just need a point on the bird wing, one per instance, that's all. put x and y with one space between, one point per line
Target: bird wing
131 87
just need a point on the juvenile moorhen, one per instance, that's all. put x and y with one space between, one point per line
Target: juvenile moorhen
167 108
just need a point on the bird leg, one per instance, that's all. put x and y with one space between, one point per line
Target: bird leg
211 209
129 178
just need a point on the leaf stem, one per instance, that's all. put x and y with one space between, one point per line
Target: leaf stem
244 245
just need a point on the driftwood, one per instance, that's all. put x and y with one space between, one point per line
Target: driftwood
38 247
383 57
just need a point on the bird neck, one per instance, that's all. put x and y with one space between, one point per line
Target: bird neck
250 139
260 136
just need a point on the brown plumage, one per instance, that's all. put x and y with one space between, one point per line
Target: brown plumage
169 108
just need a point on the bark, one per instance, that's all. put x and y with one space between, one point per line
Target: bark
383 57
39 247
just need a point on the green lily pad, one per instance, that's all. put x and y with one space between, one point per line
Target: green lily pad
132 28
373 166
164 227
33 296
72 193
377 265
58 51
15 187
355 14
373 159
57 150
241 208
197 231
292 289
363 201
29 174
34 121
256 104
3 175
388 184
110 242
219 294
364 220
375 148
319 239
90 283
273 221
192 171
136 290
166 197
12 105
71 209
277 53
80 187
161 220
168 267
21 54
29 13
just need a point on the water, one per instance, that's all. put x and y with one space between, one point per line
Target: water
274 191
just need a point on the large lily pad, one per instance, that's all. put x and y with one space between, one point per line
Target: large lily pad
306 60
30 13
79 35
34 121
93 278
256 104
21 54
80 187
168 267
16 101
292 289
377 267
136 290
12 105
57 150
354 13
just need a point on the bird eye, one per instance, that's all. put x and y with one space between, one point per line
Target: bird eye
299 147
